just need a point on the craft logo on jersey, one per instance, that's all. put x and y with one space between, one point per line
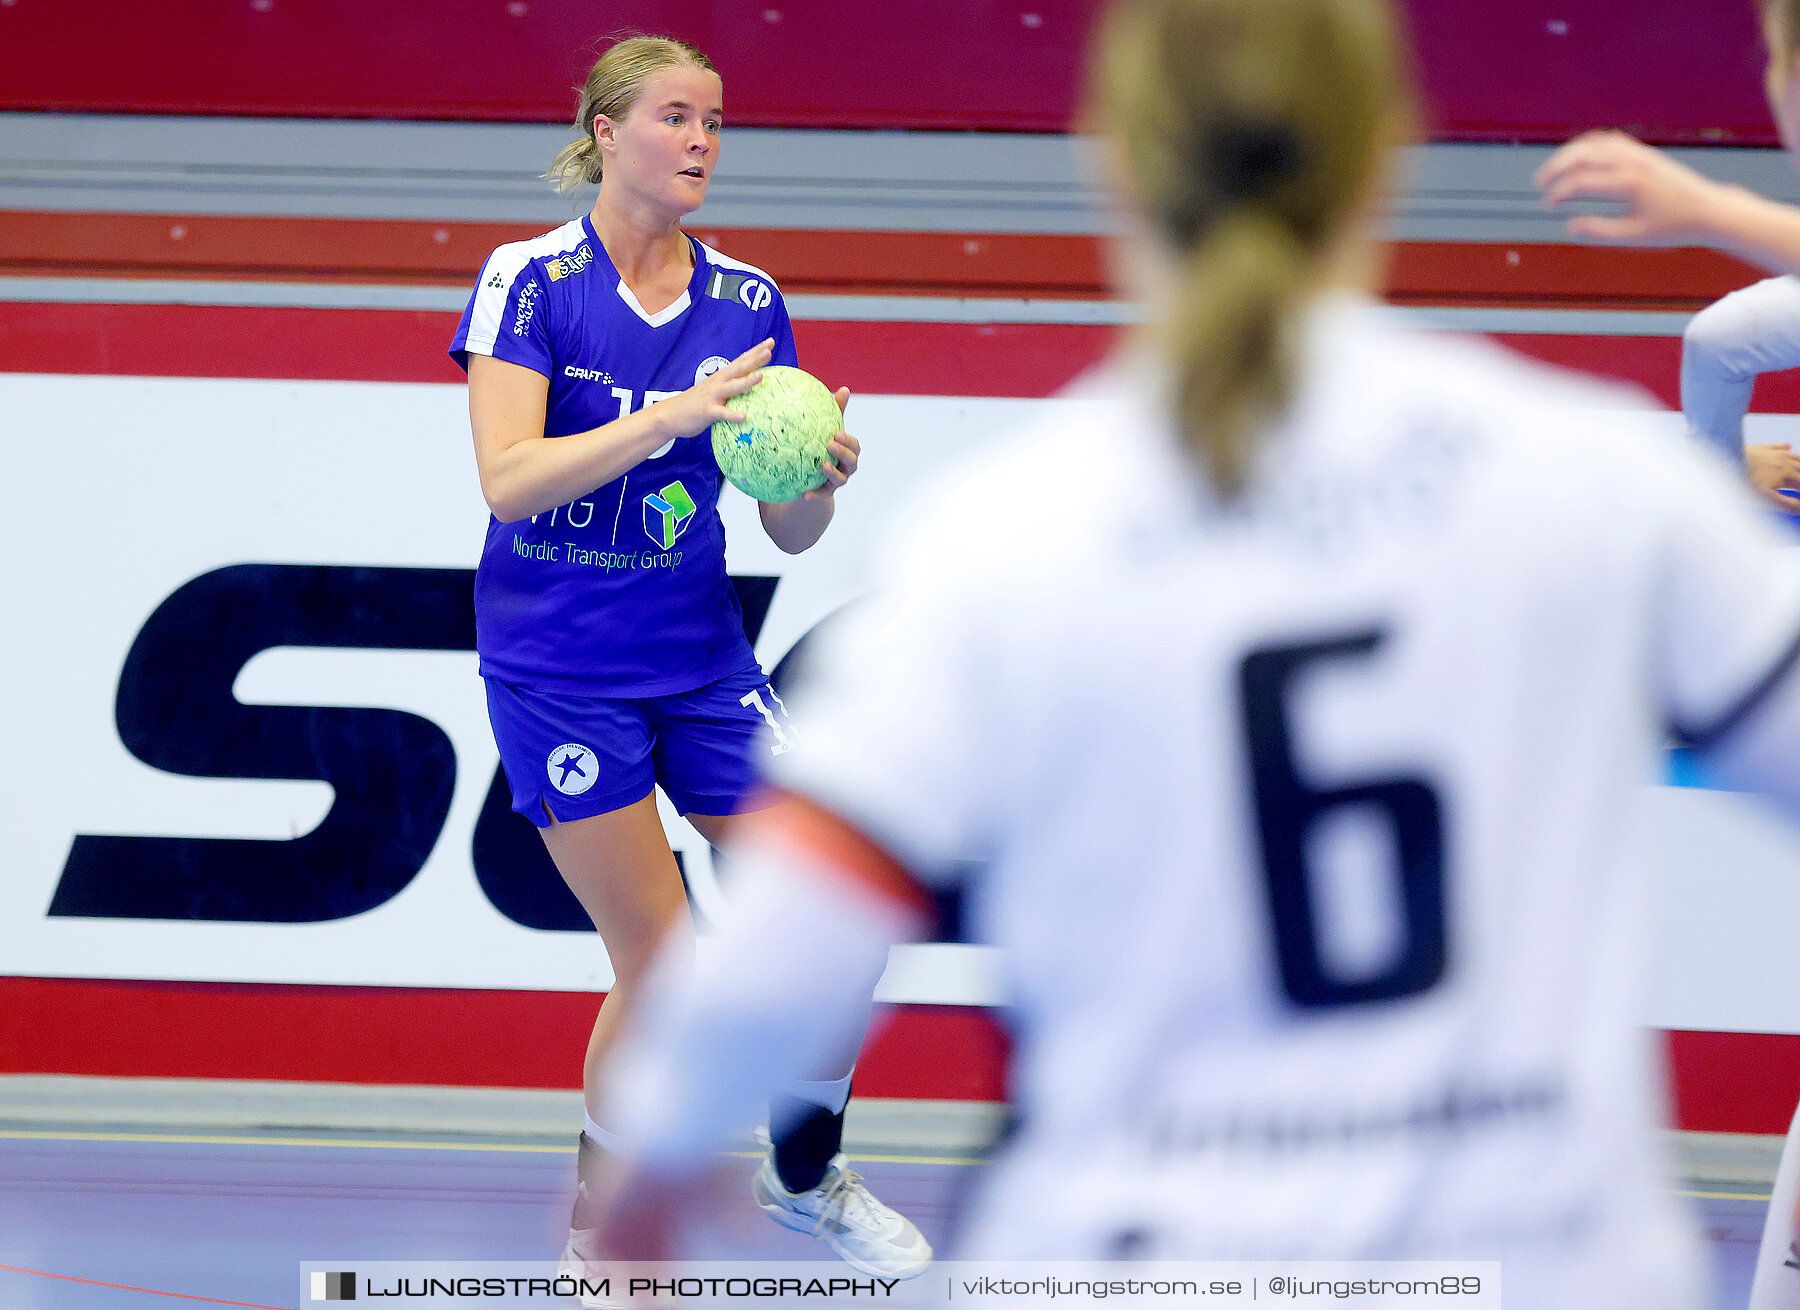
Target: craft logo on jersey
708 366
527 307
570 264
496 282
751 291
333 1287
667 514
573 769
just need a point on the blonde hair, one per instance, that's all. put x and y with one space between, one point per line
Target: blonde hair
1252 132
613 86
1781 21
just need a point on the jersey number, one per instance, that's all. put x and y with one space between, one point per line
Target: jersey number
1289 810
784 734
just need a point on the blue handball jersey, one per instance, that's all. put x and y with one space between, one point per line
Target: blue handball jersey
623 592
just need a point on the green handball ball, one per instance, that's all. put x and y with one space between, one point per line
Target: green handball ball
775 453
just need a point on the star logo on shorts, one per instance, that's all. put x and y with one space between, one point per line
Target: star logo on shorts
572 769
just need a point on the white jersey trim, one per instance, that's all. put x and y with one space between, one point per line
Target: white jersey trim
673 311
503 268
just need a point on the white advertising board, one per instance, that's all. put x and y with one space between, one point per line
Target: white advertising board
128 490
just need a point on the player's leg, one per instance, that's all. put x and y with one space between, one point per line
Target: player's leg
708 746
620 868
1777 1282
580 771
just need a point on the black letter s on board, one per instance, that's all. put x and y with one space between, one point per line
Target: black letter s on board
393 772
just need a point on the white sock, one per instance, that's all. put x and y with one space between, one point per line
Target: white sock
599 1136
832 1096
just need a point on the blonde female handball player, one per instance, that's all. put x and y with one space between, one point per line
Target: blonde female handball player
610 635
1282 722
1751 331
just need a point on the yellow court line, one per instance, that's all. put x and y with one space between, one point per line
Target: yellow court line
856 1157
199 1139
1726 1196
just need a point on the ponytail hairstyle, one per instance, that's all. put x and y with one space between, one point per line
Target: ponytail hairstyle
613 86
1781 26
1251 133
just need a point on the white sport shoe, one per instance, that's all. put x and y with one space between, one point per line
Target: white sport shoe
592 1273
871 1237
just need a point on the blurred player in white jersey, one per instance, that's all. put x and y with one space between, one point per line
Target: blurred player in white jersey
1287 692
1726 346
1751 331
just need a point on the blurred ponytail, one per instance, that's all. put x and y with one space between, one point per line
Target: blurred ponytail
1229 340
1252 134
1781 20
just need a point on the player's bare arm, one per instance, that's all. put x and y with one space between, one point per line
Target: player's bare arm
815 894
523 472
1666 202
796 525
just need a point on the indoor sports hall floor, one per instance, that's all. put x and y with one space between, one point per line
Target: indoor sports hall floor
107 1217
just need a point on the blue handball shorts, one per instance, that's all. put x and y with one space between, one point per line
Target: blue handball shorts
587 755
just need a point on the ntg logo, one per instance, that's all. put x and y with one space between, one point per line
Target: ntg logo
667 514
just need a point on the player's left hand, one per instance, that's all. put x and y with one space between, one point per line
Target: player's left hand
1773 467
1665 201
844 451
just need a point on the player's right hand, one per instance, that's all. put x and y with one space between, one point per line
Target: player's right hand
691 412
1665 201
1772 467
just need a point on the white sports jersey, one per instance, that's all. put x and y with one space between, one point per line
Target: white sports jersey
1726 346
1301 822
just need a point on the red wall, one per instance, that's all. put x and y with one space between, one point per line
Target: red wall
1535 70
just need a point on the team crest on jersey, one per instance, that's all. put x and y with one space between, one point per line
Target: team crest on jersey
667 515
572 769
708 366
751 292
570 264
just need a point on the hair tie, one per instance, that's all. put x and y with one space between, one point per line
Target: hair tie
1244 160
1248 159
